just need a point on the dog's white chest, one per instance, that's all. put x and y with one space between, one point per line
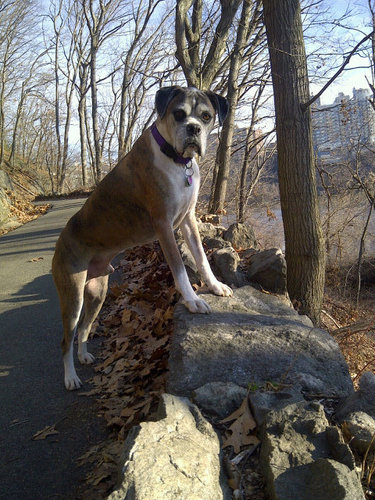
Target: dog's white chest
181 185
185 192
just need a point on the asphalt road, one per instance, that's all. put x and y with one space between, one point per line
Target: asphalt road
32 393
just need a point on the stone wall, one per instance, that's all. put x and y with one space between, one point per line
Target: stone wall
249 343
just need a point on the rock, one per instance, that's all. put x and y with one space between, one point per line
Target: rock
261 403
357 414
225 264
176 457
207 230
240 236
4 206
359 429
367 387
299 455
331 480
5 181
189 262
210 234
253 337
7 220
268 269
219 398
216 243
361 400
323 479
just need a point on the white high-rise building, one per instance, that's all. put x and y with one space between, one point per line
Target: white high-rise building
347 121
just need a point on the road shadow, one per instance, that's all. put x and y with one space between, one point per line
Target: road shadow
33 396
40 289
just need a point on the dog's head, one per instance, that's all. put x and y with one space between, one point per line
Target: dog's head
187 116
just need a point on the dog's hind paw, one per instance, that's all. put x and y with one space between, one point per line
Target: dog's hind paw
86 358
72 382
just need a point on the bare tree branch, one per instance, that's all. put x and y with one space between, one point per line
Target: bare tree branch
338 72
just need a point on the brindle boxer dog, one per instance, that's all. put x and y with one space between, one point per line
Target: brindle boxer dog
152 191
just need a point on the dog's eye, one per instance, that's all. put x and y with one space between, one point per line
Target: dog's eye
206 117
179 115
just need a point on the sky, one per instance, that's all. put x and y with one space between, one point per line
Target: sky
359 21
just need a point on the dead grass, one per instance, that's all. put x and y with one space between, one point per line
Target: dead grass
352 326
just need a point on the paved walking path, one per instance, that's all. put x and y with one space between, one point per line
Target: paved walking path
32 393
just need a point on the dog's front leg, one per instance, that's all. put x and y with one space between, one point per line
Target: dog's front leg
190 231
173 257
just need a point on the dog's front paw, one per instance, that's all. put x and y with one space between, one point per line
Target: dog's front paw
197 306
86 358
72 382
219 288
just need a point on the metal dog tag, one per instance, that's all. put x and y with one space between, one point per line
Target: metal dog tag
189 171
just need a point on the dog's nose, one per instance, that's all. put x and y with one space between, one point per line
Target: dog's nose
193 129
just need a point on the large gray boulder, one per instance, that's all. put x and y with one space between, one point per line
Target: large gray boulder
302 457
268 268
253 337
225 264
240 236
219 398
177 457
357 415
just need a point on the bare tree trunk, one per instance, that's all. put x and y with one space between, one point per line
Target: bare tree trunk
250 144
57 29
82 136
361 251
201 73
94 113
304 243
141 20
224 151
245 190
103 20
2 120
16 124
245 163
3 83
65 149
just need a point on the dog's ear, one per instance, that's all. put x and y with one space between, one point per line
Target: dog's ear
163 98
220 105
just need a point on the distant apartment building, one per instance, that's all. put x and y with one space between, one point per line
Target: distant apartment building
344 122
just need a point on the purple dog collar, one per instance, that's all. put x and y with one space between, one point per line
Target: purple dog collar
166 148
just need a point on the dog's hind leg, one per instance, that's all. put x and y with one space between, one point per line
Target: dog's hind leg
70 287
94 295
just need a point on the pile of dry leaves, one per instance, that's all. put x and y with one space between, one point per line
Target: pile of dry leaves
23 210
136 325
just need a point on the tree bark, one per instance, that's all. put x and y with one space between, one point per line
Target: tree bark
94 113
82 121
304 245
225 149
188 36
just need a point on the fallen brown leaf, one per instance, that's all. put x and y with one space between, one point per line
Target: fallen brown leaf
243 424
49 430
